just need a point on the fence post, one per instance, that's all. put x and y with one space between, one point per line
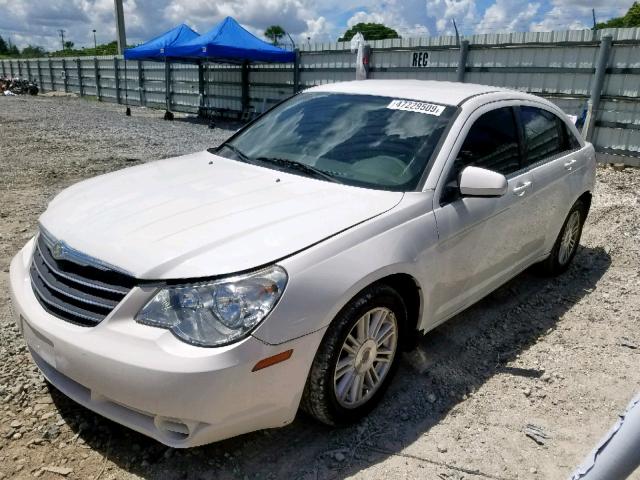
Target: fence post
245 88
167 86
11 68
79 69
96 74
19 69
116 78
3 72
296 72
141 95
39 74
28 63
51 79
64 74
596 88
201 103
462 61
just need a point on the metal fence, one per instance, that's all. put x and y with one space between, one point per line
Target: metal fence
570 68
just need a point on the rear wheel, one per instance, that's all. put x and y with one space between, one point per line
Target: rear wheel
357 358
567 242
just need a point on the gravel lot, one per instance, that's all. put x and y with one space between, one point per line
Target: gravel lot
559 354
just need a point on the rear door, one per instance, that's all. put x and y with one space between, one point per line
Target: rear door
554 157
482 241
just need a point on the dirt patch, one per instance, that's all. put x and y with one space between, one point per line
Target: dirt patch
521 385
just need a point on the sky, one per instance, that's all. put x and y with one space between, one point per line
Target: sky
37 22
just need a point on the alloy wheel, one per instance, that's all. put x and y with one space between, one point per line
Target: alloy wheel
366 357
570 236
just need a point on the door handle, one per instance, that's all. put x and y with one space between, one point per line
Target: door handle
521 189
569 165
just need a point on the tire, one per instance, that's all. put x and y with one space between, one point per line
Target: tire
379 307
560 258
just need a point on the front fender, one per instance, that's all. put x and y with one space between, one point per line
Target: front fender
324 278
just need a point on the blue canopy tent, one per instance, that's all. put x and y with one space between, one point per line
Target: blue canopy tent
228 42
156 49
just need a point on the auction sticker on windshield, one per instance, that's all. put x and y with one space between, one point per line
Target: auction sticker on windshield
420 107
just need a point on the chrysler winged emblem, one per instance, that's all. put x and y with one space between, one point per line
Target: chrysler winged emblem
58 251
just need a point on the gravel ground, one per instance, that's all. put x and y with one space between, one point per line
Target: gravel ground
559 354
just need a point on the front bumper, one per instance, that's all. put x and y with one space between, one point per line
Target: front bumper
146 379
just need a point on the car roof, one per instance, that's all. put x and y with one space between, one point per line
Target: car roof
447 93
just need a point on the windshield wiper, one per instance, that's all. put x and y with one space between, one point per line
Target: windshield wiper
301 167
235 150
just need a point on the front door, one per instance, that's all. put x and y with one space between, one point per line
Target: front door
482 241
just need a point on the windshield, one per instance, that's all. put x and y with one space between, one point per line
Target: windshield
361 140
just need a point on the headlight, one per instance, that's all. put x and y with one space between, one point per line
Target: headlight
218 312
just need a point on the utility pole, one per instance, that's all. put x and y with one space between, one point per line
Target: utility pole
456 29
595 25
61 32
95 43
122 37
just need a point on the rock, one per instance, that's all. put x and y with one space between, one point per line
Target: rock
431 398
339 456
527 392
47 415
16 424
64 471
535 433
16 436
442 449
533 470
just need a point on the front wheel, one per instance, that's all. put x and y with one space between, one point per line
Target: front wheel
566 244
357 358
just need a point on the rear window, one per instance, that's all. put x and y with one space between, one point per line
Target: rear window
360 140
543 133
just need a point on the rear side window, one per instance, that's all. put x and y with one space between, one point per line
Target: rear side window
571 142
492 143
544 134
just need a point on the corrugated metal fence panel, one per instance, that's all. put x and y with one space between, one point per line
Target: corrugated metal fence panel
624 79
223 87
270 84
557 70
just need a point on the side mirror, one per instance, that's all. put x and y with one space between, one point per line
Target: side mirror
480 182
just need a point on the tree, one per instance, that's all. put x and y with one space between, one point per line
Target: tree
3 47
630 19
13 51
68 45
274 33
33 51
370 31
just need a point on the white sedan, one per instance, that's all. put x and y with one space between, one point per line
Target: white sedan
205 296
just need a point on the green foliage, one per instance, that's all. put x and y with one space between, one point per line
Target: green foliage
370 31
33 51
630 19
104 49
274 33
68 45
4 48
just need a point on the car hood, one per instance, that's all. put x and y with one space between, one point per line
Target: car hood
203 215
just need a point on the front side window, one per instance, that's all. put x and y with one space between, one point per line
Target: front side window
543 134
359 140
492 143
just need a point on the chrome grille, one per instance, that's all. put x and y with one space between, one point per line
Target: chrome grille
79 293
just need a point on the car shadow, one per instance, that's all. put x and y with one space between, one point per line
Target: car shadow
449 363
